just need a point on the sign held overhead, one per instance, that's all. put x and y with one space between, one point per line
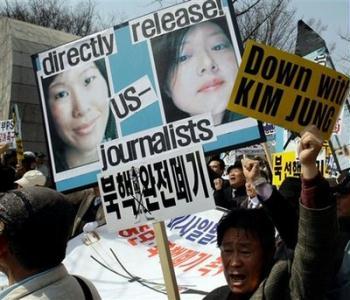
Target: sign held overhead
280 88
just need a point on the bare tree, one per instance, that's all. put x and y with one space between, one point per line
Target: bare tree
57 14
346 58
272 22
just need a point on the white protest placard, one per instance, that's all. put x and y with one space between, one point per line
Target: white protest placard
7 132
126 263
136 76
156 189
158 140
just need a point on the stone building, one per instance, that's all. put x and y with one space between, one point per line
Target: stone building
18 41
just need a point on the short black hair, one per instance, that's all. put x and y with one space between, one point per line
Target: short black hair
236 165
7 178
254 221
342 188
166 51
290 189
57 143
217 158
37 226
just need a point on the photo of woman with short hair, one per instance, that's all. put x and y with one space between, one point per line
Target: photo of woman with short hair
79 115
196 68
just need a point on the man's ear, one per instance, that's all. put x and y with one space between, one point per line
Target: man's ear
3 245
3 241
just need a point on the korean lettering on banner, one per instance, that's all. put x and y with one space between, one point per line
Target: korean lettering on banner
192 259
156 189
192 242
194 228
199 229
284 165
7 132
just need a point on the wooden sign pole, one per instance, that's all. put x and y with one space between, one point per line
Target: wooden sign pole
268 155
165 261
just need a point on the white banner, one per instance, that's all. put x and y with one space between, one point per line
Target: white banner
156 189
7 132
126 265
144 74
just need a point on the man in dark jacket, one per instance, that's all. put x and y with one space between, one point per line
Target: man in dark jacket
35 224
231 196
246 256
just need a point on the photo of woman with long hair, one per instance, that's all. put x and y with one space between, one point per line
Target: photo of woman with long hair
196 68
79 115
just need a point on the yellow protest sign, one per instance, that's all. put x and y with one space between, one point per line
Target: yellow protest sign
287 164
284 89
284 165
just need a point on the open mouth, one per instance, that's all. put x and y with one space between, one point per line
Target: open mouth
237 279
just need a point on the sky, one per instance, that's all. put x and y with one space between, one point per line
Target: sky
334 14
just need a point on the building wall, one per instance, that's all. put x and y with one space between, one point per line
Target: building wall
20 40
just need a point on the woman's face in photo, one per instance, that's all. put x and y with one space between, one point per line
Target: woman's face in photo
78 100
206 67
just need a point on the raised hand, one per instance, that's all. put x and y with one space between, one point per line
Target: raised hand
309 147
251 169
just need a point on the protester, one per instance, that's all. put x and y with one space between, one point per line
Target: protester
7 178
7 168
26 164
41 164
35 225
231 196
342 193
9 157
217 165
290 189
279 206
31 178
79 114
196 69
89 209
246 240
216 169
340 289
251 200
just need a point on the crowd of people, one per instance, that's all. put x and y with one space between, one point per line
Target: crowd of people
287 243
291 242
36 223
30 171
